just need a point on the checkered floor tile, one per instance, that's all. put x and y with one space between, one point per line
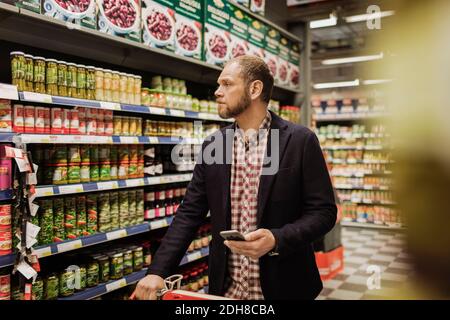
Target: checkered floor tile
364 252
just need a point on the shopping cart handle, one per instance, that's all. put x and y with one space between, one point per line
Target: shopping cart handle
133 296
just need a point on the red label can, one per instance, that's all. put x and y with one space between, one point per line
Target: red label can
39 122
18 118
56 116
5 287
109 127
47 120
100 127
74 122
66 121
5 216
29 119
5 241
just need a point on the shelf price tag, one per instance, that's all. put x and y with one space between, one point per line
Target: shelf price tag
194 256
129 140
44 192
154 140
155 110
116 234
69 189
116 285
110 105
158 224
9 92
43 252
72 245
177 113
37 97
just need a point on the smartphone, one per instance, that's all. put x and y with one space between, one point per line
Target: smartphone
233 235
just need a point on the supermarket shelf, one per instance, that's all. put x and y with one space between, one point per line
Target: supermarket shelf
350 116
362 174
71 39
47 191
366 187
113 285
353 135
170 112
370 202
9 7
87 139
70 245
354 161
355 147
372 225
196 255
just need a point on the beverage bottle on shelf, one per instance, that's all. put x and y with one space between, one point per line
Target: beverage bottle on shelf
160 198
149 213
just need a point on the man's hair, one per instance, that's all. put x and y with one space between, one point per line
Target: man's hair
254 68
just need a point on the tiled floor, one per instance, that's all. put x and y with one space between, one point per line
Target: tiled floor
366 250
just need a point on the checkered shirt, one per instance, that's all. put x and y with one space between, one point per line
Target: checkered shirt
248 156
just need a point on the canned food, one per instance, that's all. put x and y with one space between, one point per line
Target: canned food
60 155
81 81
132 170
123 88
114 210
124 154
113 153
70 218
91 207
58 218
105 171
107 84
60 174
140 169
39 122
81 273
18 69
85 172
5 216
125 126
56 120
37 289
104 153
92 278
5 286
117 125
81 216
73 155
66 283
90 83
72 80
103 262
133 153
47 120
99 79
94 172
104 214
93 153
116 266
115 86
132 126
51 76
5 241
74 173
123 209
127 261
132 218
18 121
29 119
123 171
138 258
62 78
84 153
74 122
114 171
51 287
140 205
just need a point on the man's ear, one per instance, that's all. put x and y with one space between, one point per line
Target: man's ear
256 88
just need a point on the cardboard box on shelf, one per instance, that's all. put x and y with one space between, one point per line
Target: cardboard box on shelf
239 32
283 62
294 66
158 24
83 13
30 5
120 18
256 37
189 28
258 6
272 48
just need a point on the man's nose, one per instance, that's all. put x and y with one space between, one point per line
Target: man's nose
218 93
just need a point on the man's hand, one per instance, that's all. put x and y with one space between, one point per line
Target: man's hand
147 287
257 244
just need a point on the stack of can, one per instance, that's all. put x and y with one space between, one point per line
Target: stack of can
81 216
45 235
59 233
5 286
123 209
114 210
70 218
5 229
104 214
92 213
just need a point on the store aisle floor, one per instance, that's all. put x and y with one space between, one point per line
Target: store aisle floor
364 248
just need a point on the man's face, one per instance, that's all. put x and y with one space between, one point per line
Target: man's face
232 95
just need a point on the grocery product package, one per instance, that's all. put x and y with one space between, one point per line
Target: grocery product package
294 63
256 37
31 5
258 6
216 35
189 28
283 62
245 3
239 32
80 12
5 116
158 24
121 18
272 49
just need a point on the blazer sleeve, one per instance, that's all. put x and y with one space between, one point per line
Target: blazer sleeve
190 215
319 209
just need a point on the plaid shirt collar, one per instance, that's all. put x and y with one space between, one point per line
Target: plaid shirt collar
254 137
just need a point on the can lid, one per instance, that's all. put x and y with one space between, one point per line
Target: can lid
90 67
39 58
16 53
72 64
51 60
108 70
122 74
29 56
99 69
81 66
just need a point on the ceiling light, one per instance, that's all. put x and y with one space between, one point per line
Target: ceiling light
327 85
331 21
353 59
376 81
368 16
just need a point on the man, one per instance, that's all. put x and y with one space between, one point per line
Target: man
281 208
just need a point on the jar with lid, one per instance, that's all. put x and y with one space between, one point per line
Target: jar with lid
189 102
195 104
156 83
60 174
115 86
51 79
90 83
62 78
51 287
146 248
127 261
92 272
39 74
72 75
81 81
105 171
138 258
107 84
130 88
73 173
29 68
145 97
80 278
170 101
167 84
18 69
123 87
137 89
116 265
103 262
66 282
99 79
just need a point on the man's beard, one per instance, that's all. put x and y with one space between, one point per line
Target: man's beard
232 112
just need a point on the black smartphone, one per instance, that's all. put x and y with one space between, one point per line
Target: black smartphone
233 235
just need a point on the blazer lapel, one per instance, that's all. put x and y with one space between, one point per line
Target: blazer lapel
266 181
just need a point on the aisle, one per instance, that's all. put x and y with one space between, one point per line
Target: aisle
362 248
